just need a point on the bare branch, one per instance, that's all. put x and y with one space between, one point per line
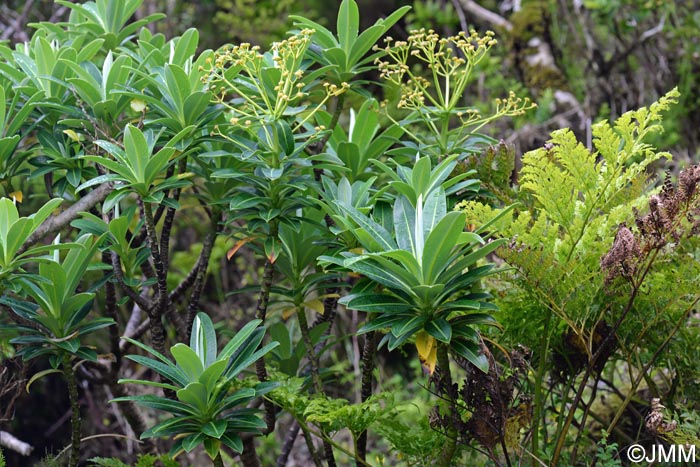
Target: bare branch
488 16
55 223
10 442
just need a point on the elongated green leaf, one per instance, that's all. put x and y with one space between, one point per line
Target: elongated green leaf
158 403
211 375
471 352
439 329
383 321
188 361
203 339
375 303
233 441
242 396
378 233
148 383
215 429
474 319
378 274
137 152
192 441
169 371
409 326
439 245
173 426
195 394
239 339
405 224
348 24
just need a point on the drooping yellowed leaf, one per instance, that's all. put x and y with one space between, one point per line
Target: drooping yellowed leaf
17 196
287 312
316 305
73 135
238 246
427 350
40 375
137 105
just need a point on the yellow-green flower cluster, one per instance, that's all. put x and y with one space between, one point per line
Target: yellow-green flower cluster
450 62
238 75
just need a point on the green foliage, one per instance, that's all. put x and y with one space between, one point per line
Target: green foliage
608 454
346 53
14 232
59 316
205 412
144 460
162 154
419 256
575 201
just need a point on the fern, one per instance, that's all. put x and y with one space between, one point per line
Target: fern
2 459
575 199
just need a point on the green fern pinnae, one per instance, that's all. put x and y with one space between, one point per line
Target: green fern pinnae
578 198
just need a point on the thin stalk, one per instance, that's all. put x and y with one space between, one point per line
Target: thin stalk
203 263
648 365
592 364
315 376
75 411
111 312
129 410
141 301
368 352
249 458
260 313
449 449
317 147
156 312
584 417
168 221
288 445
539 388
310 445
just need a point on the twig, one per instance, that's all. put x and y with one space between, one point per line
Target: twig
368 352
202 264
288 445
488 16
55 223
10 442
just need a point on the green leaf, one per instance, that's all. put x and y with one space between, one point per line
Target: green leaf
37 376
439 245
378 233
408 326
212 446
188 361
158 403
195 394
233 441
203 339
471 352
137 152
192 441
372 303
439 329
215 429
405 224
169 371
372 34
240 337
348 25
